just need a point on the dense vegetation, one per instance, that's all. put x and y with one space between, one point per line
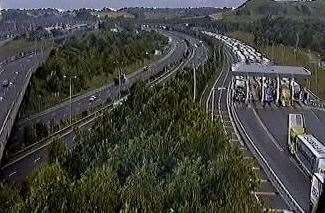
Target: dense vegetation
91 62
158 152
255 9
285 31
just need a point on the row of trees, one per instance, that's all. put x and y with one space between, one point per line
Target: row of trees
305 33
158 152
92 61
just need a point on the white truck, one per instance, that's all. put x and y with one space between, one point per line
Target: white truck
310 153
305 147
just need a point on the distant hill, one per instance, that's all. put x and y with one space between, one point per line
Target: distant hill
170 13
254 9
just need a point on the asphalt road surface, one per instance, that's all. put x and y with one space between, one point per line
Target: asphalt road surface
19 170
107 93
15 74
268 131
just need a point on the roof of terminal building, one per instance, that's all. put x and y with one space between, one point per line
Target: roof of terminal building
269 70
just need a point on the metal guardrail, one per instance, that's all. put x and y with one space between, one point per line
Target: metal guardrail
141 74
44 142
13 111
47 141
11 116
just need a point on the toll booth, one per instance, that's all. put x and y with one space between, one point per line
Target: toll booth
281 85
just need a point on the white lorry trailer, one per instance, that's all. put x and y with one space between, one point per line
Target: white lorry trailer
307 149
310 153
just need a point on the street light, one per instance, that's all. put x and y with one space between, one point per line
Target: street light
70 88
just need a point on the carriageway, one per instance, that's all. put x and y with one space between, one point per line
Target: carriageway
269 84
266 129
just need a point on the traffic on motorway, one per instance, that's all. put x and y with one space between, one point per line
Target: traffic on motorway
31 161
286 141
15 78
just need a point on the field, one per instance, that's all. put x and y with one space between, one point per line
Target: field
256 9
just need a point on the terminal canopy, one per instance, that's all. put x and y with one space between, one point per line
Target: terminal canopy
260 70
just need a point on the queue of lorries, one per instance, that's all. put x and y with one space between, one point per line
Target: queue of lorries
308 151
244 53
259 88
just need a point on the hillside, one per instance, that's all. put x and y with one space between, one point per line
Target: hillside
170 13
255 9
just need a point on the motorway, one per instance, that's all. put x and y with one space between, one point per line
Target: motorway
18 170
264 132
257 132
16 75
111 92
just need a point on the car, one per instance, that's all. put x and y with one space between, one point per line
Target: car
10 84
1 99
92 98
16 72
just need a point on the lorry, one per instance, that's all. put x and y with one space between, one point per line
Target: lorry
307 149
310 153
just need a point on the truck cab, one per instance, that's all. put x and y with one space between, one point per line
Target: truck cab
295 128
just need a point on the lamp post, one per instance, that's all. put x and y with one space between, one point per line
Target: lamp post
194 83
70 96
212 103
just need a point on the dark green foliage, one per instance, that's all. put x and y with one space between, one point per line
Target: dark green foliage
93 59
49 190
10 200
158 152
58 150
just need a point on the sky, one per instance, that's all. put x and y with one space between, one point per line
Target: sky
70 4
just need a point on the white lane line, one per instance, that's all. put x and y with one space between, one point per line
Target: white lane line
269 168
263 180
267 131
11 174
265 193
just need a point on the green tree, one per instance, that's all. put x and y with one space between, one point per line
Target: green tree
49 190
10 199
97 192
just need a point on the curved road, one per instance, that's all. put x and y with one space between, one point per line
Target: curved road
18 171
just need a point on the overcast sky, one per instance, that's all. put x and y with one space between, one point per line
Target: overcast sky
69 4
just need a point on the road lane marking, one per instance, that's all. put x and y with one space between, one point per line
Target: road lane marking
265 193
11 174
269 168
267 131
263 180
